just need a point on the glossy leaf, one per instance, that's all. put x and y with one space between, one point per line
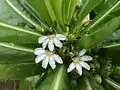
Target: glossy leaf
87 9
8 15
102 17
40 7
95 38
23 15
56 80
68 10
12 53
17 35
57 7
112 41
19 71
115 85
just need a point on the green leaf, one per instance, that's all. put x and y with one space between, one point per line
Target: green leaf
102 17
68 10
12 49
57 8
34 14
16 59
89 83
19 71
29 83
113 53
54 8
87 9
56 80
14 34
112 41
112 83
40 7
105 5
95 38
84 84
8 15
12 53
23 15
94 84
50 9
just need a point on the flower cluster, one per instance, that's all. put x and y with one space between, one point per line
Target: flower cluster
49 57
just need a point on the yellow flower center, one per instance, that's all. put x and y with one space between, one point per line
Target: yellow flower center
76 59
48 53
51 36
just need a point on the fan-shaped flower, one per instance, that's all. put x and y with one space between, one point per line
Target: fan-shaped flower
51 40
79 62
47 57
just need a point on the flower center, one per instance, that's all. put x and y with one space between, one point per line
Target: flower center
48 53
51 36
76 59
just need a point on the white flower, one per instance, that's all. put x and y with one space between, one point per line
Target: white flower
79 62
51 40
47 57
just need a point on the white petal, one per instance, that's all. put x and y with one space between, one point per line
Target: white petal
51 45
82 52
71 67
79 69
42 39
57 43
39 51
61 37
52 63
86 58
58 59
45 43
85 65
45 62
39 58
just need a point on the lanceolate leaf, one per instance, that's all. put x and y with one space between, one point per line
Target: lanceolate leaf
50 9
11 53
105 5
89 7
40 7
12 49
14 34
57 8
34 14
101 17
54 8
57 80
19 71
112 41
19 12
99 35
112 83
68 10
8 15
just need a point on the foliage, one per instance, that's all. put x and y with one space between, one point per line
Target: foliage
89 24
